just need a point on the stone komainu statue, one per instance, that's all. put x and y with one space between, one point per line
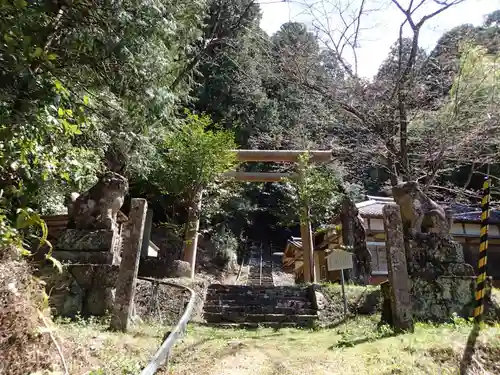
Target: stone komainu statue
420 213
98 207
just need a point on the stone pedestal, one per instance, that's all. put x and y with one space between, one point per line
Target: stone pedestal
88 247
438 299
83 289
434 255
442 284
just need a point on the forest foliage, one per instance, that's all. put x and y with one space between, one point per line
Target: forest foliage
151 89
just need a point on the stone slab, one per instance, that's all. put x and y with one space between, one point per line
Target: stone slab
401 303
99 301
89 274
431 250
86 240
129 267
82 257
437 300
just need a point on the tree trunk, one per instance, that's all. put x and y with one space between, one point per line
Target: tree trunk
193 225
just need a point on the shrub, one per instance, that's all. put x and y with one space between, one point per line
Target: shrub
25 346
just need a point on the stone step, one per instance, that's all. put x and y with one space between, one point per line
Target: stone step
235 317
222 288
251 300
257 274
247 325
263 304
264 297
258 309
257 290
267 283
257 277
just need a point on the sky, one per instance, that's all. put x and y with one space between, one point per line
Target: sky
382 26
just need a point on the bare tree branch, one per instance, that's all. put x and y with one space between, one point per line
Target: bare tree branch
337 39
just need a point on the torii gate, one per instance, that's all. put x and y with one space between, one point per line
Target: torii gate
268 156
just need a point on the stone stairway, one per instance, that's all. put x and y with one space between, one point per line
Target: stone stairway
254 275
254 271
251 306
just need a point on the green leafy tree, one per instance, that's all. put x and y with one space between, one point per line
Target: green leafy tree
193 157
103 71
232 66
317 187
86 86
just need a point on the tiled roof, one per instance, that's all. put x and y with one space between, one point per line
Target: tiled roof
463 212
373 208
296 241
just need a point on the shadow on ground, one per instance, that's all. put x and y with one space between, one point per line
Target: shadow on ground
466 361
347 343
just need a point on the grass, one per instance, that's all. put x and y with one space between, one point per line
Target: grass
90 348
364 300
353 347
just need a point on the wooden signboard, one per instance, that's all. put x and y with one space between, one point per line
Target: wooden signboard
339 260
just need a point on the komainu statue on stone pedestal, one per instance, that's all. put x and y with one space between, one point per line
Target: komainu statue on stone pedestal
419 212
433 252
442 283
98 207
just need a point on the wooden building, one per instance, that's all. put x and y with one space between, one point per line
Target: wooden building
466 230
293 255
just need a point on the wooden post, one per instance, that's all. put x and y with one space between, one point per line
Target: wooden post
344 298
281 155
306 234
307 247
191 239
129 266
398 273
259 176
